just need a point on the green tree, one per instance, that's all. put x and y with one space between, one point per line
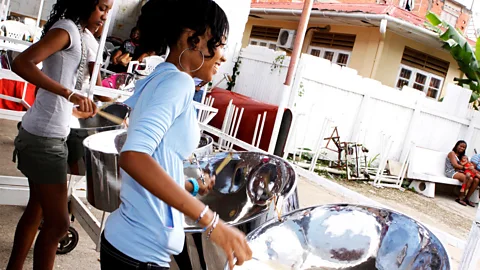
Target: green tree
462 52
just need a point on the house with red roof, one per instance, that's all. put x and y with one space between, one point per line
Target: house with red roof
389 41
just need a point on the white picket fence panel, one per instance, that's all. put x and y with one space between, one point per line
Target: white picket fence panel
363 109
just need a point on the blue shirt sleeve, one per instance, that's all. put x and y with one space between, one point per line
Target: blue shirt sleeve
156 110
476 159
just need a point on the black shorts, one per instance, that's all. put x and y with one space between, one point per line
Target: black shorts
113 259
42 160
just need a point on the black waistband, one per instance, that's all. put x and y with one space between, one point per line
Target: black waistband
117 253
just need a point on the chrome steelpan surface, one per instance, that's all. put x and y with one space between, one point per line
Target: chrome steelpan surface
80 129
102 170
242 196
232 196
345 237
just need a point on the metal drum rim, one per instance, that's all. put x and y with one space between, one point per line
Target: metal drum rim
100 129
86 140
250 236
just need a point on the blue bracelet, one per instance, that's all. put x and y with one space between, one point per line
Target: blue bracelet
196 187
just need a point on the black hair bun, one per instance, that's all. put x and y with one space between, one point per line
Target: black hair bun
162 22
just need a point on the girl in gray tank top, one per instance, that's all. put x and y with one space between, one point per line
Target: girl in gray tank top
40 145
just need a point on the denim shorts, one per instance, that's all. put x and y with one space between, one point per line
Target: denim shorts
42 160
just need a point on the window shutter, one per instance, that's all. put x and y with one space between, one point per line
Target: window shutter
333 40
425 62
265 33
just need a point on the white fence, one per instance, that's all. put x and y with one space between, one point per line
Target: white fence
262 74
363 109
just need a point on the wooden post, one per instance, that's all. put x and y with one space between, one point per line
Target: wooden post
302 29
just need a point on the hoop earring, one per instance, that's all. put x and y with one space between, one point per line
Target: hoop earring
193 70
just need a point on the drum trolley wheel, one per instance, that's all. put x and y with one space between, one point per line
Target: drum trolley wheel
70 241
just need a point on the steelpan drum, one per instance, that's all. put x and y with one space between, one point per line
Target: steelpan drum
242 195
345 237
232 196
102 169
80 129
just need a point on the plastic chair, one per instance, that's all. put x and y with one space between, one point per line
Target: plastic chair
150 63
15 30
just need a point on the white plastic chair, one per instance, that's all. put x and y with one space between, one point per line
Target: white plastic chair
15 30
230 126
150 63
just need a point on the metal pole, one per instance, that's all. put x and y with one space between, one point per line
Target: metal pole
7 9
301 30
39 16
101 46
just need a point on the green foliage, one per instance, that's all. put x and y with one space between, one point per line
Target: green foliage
236 72
463 54
301 91
370 162
277 63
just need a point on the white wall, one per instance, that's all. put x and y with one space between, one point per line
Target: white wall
237 12
31 7
363 109
259 71
125 16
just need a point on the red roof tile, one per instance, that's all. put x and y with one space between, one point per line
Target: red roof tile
350 8
386 9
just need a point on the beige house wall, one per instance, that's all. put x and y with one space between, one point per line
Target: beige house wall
392 55
366 48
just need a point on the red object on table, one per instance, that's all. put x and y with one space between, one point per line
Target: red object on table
252 108
15 89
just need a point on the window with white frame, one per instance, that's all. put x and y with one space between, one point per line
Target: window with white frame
339 57
335 47
264 36
451 12
421 80
423 72
264 43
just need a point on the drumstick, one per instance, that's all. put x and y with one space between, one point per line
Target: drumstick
104 105
224 163
115 119
108 103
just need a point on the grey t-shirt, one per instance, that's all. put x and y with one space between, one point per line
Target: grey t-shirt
51 114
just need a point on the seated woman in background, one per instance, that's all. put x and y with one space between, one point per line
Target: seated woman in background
453 169
129 51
